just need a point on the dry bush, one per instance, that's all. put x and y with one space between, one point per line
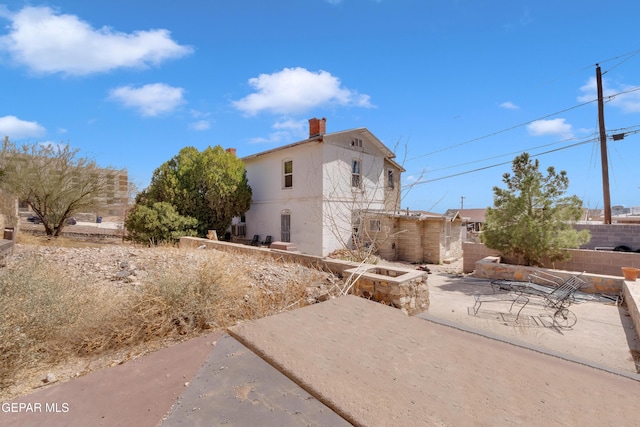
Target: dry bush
26 238
38 304
50 315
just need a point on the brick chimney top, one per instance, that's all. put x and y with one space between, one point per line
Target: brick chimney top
317 127
231 150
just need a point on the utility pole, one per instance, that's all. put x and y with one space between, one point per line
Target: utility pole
603 149
461 202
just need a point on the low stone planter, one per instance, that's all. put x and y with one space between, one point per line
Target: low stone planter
491 268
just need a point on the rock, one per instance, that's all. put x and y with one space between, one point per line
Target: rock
50 378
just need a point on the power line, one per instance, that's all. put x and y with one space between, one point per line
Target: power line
630 130
609 97
498 156
503 130
425 181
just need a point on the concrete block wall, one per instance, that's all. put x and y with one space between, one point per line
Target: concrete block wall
491 268
409 244
595 262
611 235
432 242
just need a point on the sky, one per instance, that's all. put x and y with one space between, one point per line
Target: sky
457 88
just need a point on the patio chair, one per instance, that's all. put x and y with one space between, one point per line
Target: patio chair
267 241
512 297
256 240
557 293
561 298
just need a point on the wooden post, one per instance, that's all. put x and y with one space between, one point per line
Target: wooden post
603 150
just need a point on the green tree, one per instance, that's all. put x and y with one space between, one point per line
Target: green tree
158 223
55 181
209 185
532 218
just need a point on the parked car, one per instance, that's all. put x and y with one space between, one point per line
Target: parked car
71 221
34 219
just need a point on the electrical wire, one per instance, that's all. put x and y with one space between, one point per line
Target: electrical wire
608 98
503 130
425 181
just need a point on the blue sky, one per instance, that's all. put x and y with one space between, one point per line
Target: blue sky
456 87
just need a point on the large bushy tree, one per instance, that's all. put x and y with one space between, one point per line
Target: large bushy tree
53 179
210 186
531 219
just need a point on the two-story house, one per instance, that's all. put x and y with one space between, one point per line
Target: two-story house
310 192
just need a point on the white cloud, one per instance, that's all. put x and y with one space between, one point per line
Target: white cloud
509 105
200 125
627 102
298 127
286 130
15 128
150 100
550 127
50 42
296 90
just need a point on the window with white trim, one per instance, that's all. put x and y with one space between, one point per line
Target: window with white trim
356 177
288 173
374 225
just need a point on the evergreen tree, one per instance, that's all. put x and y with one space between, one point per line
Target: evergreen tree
532 218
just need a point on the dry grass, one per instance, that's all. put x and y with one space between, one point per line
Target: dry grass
50 315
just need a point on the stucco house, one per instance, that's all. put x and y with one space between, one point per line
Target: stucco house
310 192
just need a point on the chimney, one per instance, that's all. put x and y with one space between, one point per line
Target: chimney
317 127
231 150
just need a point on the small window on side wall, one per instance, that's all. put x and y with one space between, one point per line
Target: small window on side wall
288 174
355 174
390 178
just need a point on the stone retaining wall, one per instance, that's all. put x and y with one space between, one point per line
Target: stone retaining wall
595 262
491 268
402 288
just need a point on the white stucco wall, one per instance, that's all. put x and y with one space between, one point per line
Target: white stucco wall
321 199
302 200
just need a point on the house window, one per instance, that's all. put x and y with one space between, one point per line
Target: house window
390 178
374 225
355 174
356 142
288 174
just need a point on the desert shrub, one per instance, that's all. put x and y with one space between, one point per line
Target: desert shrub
48 314
158 223
38 305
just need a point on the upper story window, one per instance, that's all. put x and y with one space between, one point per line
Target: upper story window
356 142
356 180
390 178
288 173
